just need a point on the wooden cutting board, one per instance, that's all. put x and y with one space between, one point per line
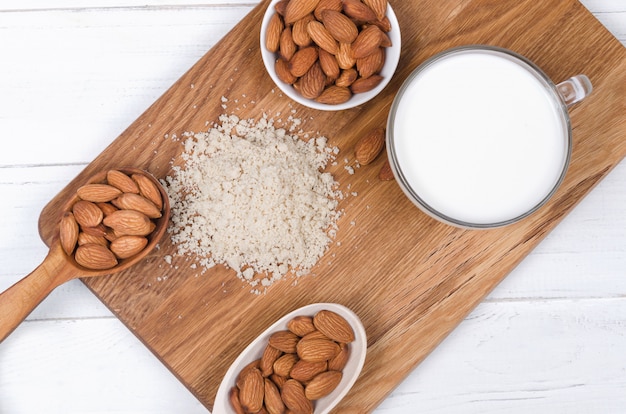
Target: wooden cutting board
409 278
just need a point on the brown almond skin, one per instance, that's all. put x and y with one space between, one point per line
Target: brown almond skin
270 355
386 173
129 223
297 9
334 95
322 385
98 192
363 85
336 5
302 61
68 232
304 371
347 78
317 350
299 32
358 11
366 43
87 214
283 365
294 398
371 64
95 256
340 26
379 7
365 151
338 363
313 82
322 37
251 391
273 402
301 325
130 201
127 246
233 397
344 56
148 189
84 238
329 65
287 46
274 30
122 181
331 323
282 71
285 341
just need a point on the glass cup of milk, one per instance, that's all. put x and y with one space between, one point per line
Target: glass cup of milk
479 137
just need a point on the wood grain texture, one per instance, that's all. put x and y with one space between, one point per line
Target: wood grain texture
425 276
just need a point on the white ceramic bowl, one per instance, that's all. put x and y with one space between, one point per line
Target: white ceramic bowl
358 349
391 63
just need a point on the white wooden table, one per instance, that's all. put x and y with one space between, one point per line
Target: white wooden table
73 74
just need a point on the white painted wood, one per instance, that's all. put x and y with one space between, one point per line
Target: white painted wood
550 338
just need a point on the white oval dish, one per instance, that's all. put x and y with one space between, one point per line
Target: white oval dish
358 350
391 63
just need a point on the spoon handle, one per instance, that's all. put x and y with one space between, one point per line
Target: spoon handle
18 301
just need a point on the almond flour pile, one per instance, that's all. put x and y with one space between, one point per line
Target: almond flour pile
252 197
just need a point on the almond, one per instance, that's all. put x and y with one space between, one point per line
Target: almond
85 238
379 7
333 325
127 246
68 232
313 82
301 325
278 380
95 256
386 173
322 385
358 11
362 85
304 371
336 5
283 365
107 208
334 95
338 363
252 390
270 355
87 214
287 46
367 42
274 30
244 371
344 56
297 9
384 24
285 341
129 223
329 65
322 37
233 397
347 77
371 64
273 402
294 398
97 231
339 26
281 7
365 151
122 181
98 192
149 189
299 32
315 335
282 71
130 201
317 350
302 61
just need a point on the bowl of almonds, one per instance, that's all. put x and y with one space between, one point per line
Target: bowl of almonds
330 54
306 362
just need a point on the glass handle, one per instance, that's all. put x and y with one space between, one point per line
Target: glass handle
575 89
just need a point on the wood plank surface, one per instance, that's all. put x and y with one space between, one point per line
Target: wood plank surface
423 277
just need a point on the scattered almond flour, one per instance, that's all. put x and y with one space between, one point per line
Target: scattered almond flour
254 197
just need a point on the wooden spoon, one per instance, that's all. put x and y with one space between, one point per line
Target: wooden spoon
18 301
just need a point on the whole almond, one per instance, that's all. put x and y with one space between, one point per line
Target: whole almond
299 32
297 9
366 150
379 7
122 181
274 30
347 77
301 325
68 232
282 71
302 61
98 192
233 397
98 231
95 256
366 43
371 64
287 47
334 95
129 223
285 341
251 391
278 380
317 350
294 398
386 173
336 5
270 355
304 371
148 189
322 37
344 56
107 208
87 214
244 371
339 26
322 385
273 402
362 85
358 11
85 238
130 201
313 82
315 335
281 7
127 246
384 24
283 365
334 325
340 360
329 65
